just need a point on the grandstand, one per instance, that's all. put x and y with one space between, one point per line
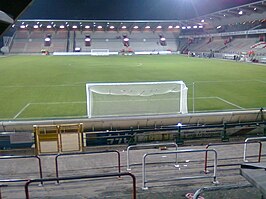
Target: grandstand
210 148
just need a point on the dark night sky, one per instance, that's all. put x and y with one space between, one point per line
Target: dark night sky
126 9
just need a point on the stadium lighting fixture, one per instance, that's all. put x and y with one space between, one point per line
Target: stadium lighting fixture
27 25
62 26
87 27
177 26
49 26
87 39
195 27
183 27
126 39
124 27
240 12
54 25
188 27
13 25
255 9
162 39
22 26
38 22
200 26
147 27
135 27
40 25
202 21
170 27
35 26
159 27
74 27
112 27
99 27
218 27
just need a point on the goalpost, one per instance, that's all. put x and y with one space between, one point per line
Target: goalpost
136 99
99 52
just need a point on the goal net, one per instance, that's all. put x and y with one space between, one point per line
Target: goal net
99 52
136 99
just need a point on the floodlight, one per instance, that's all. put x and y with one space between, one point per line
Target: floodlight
188 27
87 39
38 22
200 26
47 39
202 21
255 9
195 27
126 39
124 27
35 26
74 27
22 26
135 27
112 27
240 12
177 26
147 27
54 25
99 27
159 27
162 39
218 27
184 27
170 27
87 27
62 26
49 26
13 25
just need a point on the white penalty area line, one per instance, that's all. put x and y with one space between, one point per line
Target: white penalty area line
221 99
40 103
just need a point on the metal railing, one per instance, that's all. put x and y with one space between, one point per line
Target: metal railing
217 188
258 139
2 185
134 192
147 146
86 153
225 144
24 157
144 180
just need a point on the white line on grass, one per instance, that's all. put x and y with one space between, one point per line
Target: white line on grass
27 105
21 111
229 103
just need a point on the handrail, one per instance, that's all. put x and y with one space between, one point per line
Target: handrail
252 139
148 146
134 192
216 188
2 185
87 153
144 181
24 157
224 144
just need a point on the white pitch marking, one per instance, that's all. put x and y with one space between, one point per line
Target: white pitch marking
78 102
229 103
21 110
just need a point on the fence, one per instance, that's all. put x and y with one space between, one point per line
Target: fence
248 141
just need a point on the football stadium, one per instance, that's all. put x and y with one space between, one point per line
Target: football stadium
133 99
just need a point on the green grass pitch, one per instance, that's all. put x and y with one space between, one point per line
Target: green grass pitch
36 87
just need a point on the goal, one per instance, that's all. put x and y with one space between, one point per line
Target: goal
136 99
99 52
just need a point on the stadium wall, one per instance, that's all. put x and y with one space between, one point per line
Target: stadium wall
125 123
